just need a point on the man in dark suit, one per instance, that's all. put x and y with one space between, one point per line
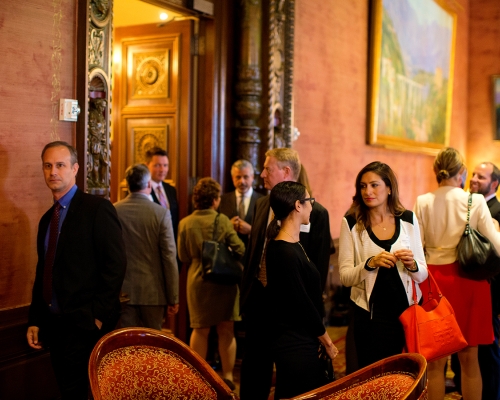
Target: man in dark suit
239 205
79 274
152 278
281 164
485 179
161 192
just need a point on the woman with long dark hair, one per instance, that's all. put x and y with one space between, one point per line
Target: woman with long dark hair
380 253
294 286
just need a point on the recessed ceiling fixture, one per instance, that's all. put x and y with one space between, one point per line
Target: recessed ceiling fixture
163 16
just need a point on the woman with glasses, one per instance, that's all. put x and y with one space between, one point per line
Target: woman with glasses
294 287
380 253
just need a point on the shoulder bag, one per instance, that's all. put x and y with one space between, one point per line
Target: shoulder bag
326 364
218 261
431 329
475 254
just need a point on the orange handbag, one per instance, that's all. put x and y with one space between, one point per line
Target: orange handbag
431 329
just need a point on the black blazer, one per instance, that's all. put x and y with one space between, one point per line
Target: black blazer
172 200
494 206
228 207
89 264
316 243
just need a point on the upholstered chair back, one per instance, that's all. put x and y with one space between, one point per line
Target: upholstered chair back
139 363
403 376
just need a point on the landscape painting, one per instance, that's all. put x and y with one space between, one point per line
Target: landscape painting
496 107
412 54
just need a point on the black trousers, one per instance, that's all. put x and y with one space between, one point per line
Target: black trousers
257 363
70 347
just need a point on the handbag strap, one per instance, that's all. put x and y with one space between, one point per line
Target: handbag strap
430 293
216 223
467 226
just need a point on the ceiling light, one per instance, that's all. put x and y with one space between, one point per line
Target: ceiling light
163 16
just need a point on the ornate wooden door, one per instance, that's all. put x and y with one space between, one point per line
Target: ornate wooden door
151 100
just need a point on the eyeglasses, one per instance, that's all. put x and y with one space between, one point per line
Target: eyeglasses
310 199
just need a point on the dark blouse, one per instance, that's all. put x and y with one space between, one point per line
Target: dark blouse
294 286
388 299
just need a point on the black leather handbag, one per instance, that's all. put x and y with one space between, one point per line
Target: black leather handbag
475 254
326 364
219 262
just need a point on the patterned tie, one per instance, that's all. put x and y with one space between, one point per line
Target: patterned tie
262 277
262 269
241 207
162 198
51 253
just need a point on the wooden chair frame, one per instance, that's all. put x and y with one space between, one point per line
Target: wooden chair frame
150 337
410 362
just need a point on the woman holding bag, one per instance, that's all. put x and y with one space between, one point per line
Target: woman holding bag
442 216
209 303
380 254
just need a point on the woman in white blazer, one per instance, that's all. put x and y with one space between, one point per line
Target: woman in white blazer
380 253
442 215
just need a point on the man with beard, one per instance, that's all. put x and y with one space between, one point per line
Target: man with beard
239 205
485 179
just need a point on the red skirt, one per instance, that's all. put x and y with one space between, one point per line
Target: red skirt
470 299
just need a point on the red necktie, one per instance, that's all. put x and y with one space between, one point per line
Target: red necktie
51 254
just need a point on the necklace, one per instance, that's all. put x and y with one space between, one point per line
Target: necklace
380 224
300 244
291 237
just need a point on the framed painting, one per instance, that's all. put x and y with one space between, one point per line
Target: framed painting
496 107
411 76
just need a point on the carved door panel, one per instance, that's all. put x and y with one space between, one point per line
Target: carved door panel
151 100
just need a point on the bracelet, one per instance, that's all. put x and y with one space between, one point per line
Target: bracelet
415 269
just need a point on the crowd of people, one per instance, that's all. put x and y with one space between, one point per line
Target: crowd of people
89 251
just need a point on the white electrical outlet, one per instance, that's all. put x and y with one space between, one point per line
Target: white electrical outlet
68 110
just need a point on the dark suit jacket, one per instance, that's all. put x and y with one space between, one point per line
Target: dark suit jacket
494 206
316 243
89 264
174 207
228 207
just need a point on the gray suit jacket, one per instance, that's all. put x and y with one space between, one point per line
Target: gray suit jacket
152 276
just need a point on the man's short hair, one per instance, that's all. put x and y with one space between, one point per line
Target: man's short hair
60 143
154 151
286 157
137 177
495 174
240 164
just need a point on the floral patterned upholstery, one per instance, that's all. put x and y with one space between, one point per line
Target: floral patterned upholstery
386 387
403 376
145 372
147 364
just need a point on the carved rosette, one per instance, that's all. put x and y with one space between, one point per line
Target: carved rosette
147 138
151 77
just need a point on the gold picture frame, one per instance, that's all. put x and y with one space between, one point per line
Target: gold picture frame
495 106
412 54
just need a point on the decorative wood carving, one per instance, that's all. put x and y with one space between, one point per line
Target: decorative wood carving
147 138
151 77
249 82
93 93
280 70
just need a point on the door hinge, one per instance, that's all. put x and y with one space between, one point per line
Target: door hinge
197 45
